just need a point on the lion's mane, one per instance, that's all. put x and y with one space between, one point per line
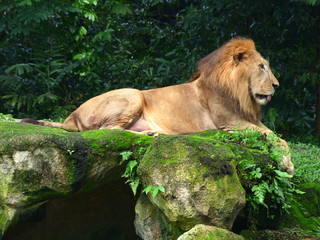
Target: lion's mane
221 72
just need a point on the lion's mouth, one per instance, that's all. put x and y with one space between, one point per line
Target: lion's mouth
261 97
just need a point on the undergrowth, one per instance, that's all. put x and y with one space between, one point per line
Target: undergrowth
306 158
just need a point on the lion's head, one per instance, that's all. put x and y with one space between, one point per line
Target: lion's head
241 75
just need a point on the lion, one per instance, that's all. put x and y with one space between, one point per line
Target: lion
227 91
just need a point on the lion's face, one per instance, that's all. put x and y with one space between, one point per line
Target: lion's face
262 82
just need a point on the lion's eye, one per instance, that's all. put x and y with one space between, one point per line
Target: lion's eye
262 66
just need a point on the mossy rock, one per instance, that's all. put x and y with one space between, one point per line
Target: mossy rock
200 180
151 223
204 232
199 172
41 163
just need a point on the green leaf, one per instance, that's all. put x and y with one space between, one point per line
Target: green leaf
19 69
134 184
8 96
155 191
259 192
258 175
120 9
104 35
91 16
83 31
312 2
299 191
79 56
161 188
25 3
40 99
283 174
147 189
125 155
129 172
132 164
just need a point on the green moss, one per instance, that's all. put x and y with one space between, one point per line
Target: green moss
10 129
203 232
28 179
150 218
4 219
13 135
193 162
116 140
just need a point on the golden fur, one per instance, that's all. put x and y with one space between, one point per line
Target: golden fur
230 86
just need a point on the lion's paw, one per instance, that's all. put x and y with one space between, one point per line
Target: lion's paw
152 133
286 162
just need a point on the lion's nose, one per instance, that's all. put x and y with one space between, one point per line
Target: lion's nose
275 86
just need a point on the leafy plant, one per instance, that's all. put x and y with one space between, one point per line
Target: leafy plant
154 189
125 156
131 174
265 181
130 171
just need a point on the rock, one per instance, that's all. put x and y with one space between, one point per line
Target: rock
200 180
42 168
39 163
204 232
151 223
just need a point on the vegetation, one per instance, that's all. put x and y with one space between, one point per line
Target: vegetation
306 158
266 182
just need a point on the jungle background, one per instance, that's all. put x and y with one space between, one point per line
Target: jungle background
56 54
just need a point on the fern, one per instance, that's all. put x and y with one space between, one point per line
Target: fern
259 192
19 69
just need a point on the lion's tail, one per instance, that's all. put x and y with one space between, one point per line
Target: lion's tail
68 127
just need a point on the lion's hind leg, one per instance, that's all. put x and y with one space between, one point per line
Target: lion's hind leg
138 126
125 110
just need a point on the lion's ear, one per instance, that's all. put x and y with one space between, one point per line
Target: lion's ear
240 54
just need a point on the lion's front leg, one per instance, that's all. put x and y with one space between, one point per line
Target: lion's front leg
283 144
287 157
